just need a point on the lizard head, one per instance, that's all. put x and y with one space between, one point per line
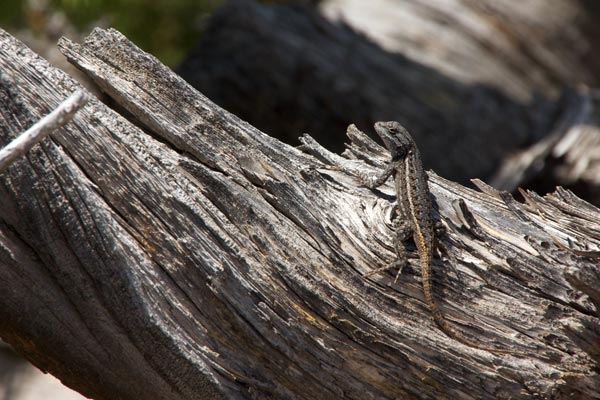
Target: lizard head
396 138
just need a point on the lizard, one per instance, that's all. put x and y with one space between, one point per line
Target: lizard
414 215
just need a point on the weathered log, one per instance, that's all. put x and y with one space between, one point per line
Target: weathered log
181 253
520 48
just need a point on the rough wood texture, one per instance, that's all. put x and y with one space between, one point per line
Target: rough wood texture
61 116
181 253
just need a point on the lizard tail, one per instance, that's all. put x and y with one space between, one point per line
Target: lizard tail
439 318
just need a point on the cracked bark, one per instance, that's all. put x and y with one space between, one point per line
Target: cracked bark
170 250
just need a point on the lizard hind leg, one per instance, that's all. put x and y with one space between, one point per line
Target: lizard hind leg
403 233
394 264
439 230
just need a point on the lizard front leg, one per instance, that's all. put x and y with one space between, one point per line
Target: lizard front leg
373 182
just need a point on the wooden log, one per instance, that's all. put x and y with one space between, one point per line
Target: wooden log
166 249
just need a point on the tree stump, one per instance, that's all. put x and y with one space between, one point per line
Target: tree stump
165 249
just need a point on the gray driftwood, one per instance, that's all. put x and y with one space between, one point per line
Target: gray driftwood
169 250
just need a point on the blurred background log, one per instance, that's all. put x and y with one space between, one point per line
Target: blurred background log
517 48
200 258
474 81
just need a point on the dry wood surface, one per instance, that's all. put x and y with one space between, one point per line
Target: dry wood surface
165 249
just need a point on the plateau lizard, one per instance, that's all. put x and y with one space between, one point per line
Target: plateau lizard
414 214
